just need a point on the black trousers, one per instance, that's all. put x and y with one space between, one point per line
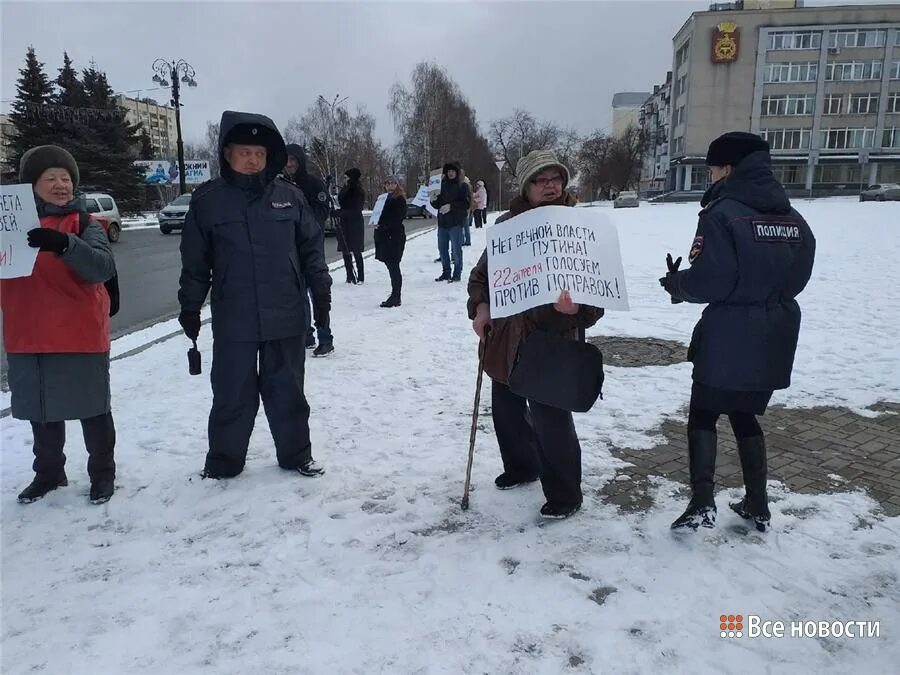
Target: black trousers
743 424
480 217
393 269
242 373
99 439
537 440
360 274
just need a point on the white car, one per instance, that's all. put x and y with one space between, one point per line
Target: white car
103 207
626 200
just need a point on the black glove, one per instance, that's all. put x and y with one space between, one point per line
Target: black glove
668 281
45 239
190 322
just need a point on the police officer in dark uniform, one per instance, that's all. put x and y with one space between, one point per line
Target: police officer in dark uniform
317 197
253 241
752 255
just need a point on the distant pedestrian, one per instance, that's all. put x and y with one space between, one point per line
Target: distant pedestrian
390 237
452 204
481 203
351 237
56 330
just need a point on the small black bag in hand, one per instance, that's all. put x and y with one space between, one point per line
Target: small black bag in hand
558 372
194 366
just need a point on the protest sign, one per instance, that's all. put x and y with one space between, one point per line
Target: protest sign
423 196
535 256
378 208
18 215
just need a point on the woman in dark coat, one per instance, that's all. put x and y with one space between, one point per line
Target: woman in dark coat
390 237
752 255
351 234
56 329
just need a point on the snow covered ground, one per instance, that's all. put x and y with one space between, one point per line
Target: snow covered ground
374 569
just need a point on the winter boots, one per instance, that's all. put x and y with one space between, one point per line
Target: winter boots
392 301
507 481
701 511
39 487
755 504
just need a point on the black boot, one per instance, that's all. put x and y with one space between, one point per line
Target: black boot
444 277
49 461
755 504
701 511
348 267
360 268
102 491
392 301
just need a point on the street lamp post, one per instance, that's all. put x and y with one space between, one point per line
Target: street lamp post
163 71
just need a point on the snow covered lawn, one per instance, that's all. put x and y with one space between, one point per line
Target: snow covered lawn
374 569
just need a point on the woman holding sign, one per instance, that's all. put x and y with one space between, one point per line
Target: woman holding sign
390 237
56 329
536 440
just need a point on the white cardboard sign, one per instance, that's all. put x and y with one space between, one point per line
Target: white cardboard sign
535 256
18 215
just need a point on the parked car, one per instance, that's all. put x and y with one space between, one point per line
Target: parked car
103 207
413 211
171 217
626 200
881 193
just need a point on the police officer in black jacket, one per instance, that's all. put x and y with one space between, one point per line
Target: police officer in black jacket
317 197
752 255
253 240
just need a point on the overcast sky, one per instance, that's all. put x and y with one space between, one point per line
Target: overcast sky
563 61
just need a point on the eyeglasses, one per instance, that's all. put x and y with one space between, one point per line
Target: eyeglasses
547 182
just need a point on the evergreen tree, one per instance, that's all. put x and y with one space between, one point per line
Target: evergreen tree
70 91
33 127
107 151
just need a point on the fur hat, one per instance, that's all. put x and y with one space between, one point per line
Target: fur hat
353 174
252 134
733 147
37 160
533 163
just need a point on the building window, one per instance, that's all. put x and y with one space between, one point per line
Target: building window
786 139
891 138
679 116
795 40
789 174
843 139
678 146
681 86
853 70
895 70
833 104
792 72
681 55
858 38
863 104
789 104
838 173
893 104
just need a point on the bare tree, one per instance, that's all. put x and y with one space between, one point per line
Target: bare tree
513 137
609 165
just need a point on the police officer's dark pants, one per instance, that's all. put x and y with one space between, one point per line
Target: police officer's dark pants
537 440
99 439
242 372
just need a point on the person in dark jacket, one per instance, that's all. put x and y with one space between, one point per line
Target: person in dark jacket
452 204
56 330
253 240
390 237
351 234
317 197
536 440
751 256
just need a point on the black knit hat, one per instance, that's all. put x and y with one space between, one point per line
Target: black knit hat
353 174
733 147
37 160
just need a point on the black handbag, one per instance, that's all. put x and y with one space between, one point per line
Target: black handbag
558 372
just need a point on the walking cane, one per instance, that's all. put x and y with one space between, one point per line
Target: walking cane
483 347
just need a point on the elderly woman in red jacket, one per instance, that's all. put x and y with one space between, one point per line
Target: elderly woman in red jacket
56 330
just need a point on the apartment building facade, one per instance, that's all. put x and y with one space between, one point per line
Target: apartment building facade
158 121
821 84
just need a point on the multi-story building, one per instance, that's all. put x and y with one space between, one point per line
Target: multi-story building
821 84
654 122
626 110
158 121
7 131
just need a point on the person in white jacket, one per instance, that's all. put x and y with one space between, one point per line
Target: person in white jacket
480 204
